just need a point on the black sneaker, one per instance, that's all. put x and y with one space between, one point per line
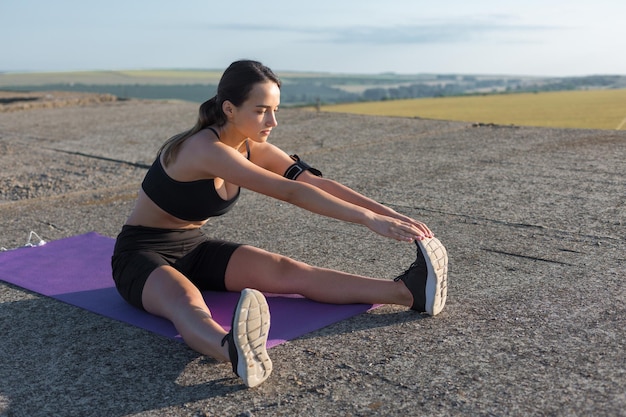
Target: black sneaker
427 277
247 338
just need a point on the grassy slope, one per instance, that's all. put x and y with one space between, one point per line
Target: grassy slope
595 109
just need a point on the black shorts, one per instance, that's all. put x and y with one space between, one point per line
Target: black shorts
140 250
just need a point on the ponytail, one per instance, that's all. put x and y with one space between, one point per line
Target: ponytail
210 113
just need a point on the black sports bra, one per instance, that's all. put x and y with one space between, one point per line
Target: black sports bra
187 200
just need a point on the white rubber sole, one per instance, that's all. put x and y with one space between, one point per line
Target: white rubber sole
437 282
251 325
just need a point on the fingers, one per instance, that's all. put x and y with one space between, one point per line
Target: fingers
425 230
412 231
422 229
402 230
407 233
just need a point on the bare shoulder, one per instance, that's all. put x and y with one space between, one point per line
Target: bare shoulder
205 144
203 155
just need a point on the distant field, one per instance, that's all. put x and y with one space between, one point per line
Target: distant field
593 109
160 77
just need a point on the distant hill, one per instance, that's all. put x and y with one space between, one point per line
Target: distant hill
299 88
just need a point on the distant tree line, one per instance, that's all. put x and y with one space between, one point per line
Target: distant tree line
412 91
191 92
456 86
576 83
306 93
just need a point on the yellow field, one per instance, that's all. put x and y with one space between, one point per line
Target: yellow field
593 109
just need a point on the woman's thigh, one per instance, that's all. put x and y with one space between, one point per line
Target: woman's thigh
167 292
251 267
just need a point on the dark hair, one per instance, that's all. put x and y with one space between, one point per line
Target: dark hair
235 86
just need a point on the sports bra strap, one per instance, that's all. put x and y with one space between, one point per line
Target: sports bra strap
248 149
214 131
218 136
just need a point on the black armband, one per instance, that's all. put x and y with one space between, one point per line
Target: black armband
299 167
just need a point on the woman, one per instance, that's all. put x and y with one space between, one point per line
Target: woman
162 259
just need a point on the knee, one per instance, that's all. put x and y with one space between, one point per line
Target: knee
167 294
288 267
183 307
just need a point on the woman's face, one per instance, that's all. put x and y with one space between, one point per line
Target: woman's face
256 117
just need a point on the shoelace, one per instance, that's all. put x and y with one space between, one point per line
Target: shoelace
413 265
405 273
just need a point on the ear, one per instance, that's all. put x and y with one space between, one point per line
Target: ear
228 108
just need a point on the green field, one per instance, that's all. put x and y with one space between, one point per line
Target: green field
593 109
129 77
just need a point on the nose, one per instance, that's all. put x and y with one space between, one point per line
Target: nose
271 120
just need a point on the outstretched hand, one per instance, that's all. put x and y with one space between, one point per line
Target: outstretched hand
420 226
403 229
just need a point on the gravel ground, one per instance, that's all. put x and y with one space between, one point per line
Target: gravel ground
533 220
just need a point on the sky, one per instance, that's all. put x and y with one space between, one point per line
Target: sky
514 37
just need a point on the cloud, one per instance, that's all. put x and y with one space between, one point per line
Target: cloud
452 32
428 32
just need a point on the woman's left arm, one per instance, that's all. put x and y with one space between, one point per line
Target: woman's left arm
347 194
274 159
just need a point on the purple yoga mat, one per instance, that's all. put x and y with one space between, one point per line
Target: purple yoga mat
77 270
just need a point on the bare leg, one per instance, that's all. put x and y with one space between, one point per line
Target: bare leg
250 267
169 294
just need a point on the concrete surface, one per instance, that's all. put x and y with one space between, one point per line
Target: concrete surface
533 220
